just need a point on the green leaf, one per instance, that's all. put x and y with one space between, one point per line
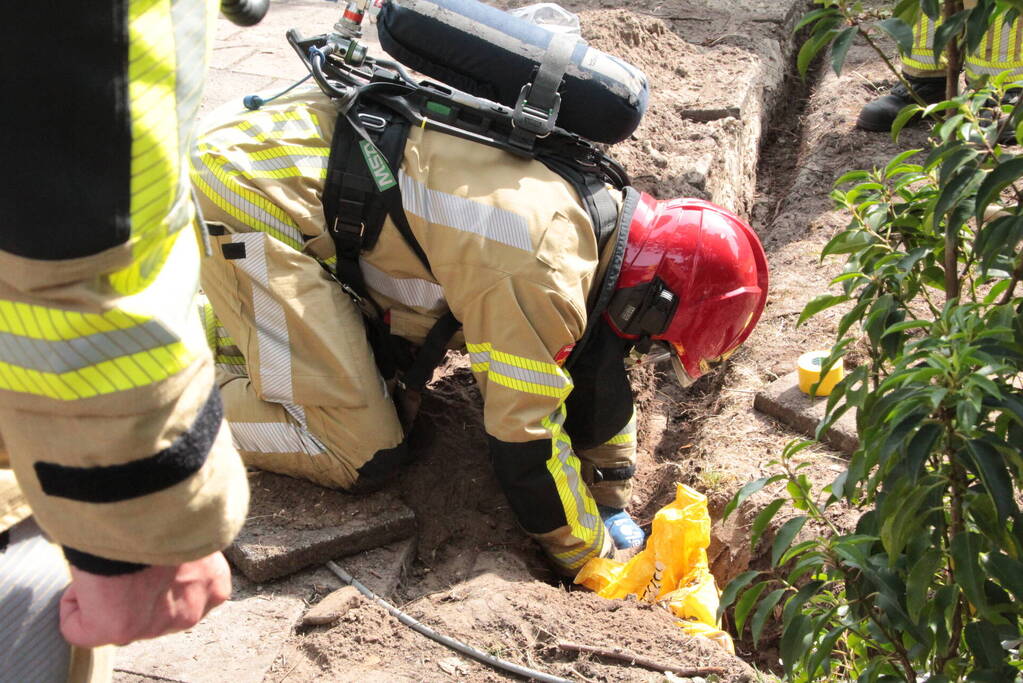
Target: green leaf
919 580
840 47
1007 571
966 569
954 191
818 304
984 642
796 550
813 16
900 31
931 8
733 588
907 114
765 609
997 180
745 604
894 163
796 602
794 642
993 472
851 176
919 448
904 519
748 490
810 49
763 519
783 539
824 651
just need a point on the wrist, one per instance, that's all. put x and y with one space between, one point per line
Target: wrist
101 566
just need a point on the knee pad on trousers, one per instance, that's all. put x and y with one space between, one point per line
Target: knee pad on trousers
381 468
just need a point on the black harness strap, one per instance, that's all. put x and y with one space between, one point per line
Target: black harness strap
431 352
361 191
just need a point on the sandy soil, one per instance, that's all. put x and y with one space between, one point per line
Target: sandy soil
477 577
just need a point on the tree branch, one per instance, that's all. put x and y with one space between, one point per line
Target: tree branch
622 655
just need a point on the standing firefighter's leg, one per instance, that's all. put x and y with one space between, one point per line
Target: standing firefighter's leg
924 72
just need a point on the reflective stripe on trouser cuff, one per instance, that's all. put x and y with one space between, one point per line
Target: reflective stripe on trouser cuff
580 508
32 578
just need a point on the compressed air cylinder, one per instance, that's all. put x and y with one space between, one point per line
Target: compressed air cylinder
491 54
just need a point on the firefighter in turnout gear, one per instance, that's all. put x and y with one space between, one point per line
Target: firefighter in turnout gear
114 456
508 249
1001 50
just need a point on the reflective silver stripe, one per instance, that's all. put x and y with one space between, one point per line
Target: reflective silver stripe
547 379
408 291
74 354
32 578
274 437
271 325
466 215
533 376
238 370
570 466
255 124
280 162
209 175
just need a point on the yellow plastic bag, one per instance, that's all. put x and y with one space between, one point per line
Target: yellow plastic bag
672 571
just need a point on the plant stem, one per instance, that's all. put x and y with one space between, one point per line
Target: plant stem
953 53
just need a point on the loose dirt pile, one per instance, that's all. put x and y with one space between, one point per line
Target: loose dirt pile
477 577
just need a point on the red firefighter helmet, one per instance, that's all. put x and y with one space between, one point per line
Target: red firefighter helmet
694 276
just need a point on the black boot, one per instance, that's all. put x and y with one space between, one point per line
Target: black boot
880 114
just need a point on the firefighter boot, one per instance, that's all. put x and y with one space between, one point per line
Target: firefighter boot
879 115
623 529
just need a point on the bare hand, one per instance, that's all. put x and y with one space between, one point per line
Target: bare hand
101 610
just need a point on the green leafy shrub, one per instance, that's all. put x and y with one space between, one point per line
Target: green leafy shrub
929 586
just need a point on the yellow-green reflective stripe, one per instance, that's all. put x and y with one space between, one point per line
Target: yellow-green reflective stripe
518 373
159 207
267 126
627 434
40 322
289 161
217 181
580 507
127 372
74 354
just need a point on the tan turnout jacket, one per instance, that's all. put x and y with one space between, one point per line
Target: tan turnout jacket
512 254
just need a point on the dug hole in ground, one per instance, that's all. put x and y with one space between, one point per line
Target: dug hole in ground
474 575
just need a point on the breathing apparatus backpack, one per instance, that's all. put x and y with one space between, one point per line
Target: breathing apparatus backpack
552 95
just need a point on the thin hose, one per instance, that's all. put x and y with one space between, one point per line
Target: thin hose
443 640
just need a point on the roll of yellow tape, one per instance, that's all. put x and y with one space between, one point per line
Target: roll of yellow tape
809 366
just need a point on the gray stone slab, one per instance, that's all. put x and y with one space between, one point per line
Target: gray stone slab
237 641
783 400
381 569
294 524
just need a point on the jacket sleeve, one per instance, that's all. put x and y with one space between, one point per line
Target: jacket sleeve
107 405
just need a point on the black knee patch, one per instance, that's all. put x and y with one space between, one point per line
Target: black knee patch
382 467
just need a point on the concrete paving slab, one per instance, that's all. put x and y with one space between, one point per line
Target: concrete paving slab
294 524
237 641
783 400
381 569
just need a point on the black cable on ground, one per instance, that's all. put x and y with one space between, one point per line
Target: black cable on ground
442 639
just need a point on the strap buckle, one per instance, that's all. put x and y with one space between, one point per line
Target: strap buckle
534 120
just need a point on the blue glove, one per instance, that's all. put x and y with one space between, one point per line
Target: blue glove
623 529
